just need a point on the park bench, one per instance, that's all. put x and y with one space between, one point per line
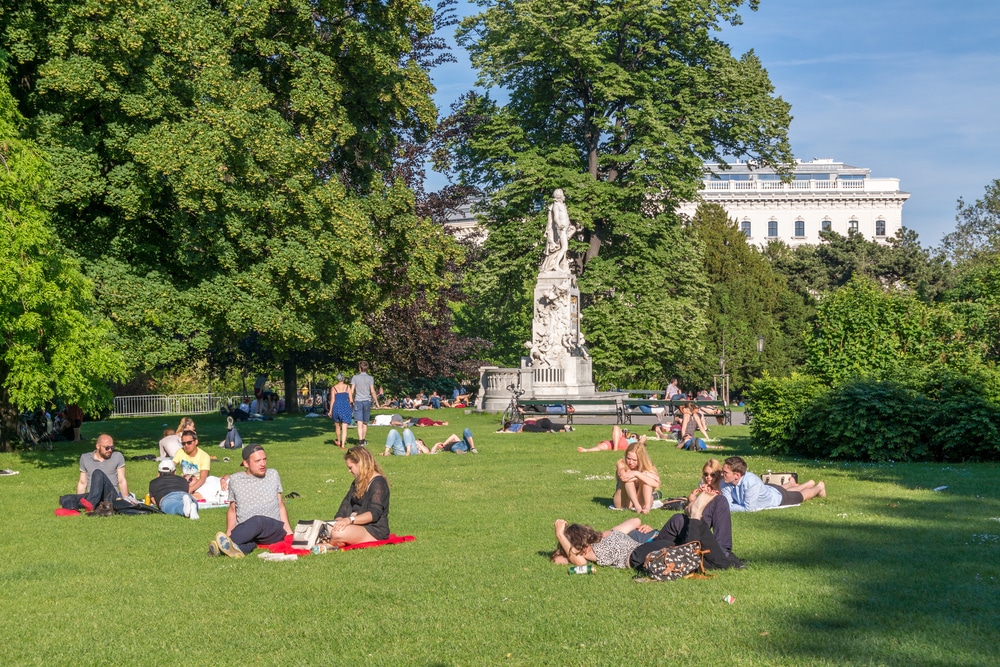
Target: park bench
592 407
631 407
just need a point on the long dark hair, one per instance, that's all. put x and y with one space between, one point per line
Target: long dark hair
580 537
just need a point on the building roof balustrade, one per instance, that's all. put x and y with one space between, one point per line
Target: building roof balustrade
854 185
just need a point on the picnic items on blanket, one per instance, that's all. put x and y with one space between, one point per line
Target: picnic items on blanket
675 504
285 546
309 533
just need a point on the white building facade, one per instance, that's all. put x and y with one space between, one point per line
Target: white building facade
822 195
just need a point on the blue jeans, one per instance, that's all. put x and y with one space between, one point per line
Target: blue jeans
398 445
435 402
173 502
463 444
257 530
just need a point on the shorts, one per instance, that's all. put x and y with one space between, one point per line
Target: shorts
788 497
362 411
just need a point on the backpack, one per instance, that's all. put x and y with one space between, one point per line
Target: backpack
671 563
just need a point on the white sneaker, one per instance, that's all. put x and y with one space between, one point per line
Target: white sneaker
190 507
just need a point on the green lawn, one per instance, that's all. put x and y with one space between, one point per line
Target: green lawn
885 571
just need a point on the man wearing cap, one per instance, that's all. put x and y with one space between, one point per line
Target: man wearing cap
102 477
193 461
257 513
170 492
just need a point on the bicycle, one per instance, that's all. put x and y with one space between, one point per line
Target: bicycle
512 414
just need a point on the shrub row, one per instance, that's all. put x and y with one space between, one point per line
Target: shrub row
927 416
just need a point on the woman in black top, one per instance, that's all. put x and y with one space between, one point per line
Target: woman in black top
364 514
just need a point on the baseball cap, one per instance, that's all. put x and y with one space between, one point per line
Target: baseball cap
167 466
250 449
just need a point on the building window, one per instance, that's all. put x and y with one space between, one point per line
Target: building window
827 226
772 228
852 227
800 229
745 228
880 228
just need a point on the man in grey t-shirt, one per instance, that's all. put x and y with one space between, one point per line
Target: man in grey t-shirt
102 477
257 513
362 395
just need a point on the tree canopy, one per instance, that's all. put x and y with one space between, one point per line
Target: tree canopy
225 168
52 344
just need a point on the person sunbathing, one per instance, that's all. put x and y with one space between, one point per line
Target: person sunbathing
456 445
543 425
620 439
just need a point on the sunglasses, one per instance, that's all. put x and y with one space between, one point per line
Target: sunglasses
107 449
188 442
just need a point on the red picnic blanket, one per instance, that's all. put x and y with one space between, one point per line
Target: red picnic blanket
285 546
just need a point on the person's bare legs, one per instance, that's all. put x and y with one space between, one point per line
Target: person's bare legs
631 491
362 431
697 508
699 421
602 446
813 491
645 491
341 431
792 486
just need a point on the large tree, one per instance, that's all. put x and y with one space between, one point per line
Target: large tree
747 299
977 229
225 168
52 345
619 104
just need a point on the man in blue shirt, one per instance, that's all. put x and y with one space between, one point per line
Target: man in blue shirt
746 492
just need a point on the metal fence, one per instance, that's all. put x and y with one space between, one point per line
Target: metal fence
174 404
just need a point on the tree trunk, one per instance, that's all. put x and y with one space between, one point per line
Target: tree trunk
291 386
8 423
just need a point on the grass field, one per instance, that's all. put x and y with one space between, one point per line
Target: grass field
885 571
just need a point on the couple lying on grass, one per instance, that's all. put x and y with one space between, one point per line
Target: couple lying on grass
409 445
257 513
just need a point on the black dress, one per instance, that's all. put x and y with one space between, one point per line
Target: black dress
375 500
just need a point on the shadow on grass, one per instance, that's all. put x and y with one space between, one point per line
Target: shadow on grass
901 589
139 436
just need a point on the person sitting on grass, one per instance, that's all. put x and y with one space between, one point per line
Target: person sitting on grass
257 513
619 547
746 492
637 479
456 445
692 418
102 478
715 515
620 440
405 445
194 462
363 515
169 492
693 444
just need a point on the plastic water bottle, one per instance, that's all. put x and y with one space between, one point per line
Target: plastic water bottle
583 569
320 549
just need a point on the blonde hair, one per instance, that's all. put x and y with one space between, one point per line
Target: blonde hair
368 468
186 424
716 468
641 455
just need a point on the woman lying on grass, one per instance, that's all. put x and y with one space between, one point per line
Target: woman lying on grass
620 439
637 479
364 514
618 547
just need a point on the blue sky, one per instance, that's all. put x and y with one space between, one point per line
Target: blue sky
907 88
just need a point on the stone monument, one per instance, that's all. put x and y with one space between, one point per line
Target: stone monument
558 356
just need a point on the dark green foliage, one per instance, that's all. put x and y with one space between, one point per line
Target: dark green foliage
226 169
747 299
52 343
778 406
867 420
